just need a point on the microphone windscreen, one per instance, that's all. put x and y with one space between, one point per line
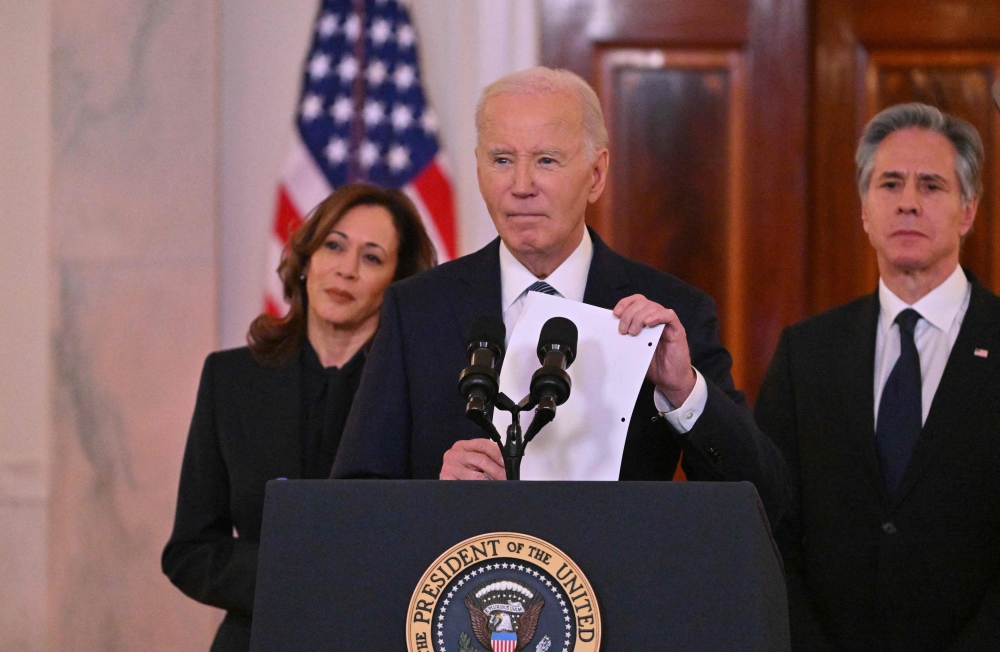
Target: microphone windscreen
558 330
487 328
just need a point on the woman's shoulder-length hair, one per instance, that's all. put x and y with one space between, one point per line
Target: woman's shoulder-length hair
273 340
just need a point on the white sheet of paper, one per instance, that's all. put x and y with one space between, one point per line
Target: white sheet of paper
587 437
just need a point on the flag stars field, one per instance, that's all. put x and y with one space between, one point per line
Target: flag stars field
381 31
327 25
347 69
402 117
342 109
312 107
336 151
376 73
404 77
368 154
405 36
352 28
319 66
374 113
399 158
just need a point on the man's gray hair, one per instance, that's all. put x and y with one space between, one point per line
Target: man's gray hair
962 135
548 80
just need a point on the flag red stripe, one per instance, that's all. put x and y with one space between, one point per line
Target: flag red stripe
271 308
435 190
286 218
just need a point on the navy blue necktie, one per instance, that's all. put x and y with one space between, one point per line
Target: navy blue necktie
899 411
543 287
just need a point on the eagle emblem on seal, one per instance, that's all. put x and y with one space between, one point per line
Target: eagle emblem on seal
504 615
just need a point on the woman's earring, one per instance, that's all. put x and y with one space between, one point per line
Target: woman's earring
302 278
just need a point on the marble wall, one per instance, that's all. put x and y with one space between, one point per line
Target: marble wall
133 204
25 376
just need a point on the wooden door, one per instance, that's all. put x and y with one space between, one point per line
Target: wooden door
871 54
705 102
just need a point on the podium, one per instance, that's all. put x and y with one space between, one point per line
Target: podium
673 565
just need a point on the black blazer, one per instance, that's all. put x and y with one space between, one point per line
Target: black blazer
245 431
865 571
408 410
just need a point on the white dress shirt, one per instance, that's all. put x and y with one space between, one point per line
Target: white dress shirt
942 311
569 280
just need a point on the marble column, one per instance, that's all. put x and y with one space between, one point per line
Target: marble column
134 199
24 338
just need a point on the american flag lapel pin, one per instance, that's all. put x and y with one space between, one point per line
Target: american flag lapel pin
980 353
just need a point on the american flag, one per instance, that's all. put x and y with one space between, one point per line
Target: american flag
362 116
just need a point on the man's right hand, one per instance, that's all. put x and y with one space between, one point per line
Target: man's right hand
473 459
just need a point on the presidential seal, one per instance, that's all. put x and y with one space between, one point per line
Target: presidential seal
503 592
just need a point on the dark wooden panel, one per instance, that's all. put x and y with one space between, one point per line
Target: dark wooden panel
679 115
927 23
673 124
708 176
841 262
570 28
670 22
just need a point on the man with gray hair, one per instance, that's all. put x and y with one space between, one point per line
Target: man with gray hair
542 158
887 410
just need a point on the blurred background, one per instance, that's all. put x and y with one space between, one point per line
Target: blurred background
142 141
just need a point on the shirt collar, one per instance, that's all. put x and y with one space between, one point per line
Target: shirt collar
939 307
569 279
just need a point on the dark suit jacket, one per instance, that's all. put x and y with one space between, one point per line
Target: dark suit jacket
918 571
245 431
408 410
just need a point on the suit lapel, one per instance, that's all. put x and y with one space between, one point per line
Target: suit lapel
854 376
480 295
964 375
272 419
607 282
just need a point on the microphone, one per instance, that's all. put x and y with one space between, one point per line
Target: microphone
478 382
550 385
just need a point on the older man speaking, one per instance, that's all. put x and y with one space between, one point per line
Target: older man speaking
541 159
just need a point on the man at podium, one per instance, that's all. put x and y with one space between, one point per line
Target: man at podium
541 160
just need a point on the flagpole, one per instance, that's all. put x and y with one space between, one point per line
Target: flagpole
355 171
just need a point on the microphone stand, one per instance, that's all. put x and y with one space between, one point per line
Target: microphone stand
513 449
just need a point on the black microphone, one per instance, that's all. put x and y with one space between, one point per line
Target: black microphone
550 385
478 382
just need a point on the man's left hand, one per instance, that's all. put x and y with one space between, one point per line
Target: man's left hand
670 370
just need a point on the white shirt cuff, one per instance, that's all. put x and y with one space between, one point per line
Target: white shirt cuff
684 417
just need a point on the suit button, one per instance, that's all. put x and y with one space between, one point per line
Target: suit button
714 453
656 419
888 527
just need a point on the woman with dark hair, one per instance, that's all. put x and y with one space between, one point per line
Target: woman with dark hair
277 408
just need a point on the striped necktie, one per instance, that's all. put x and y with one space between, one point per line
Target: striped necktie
543 287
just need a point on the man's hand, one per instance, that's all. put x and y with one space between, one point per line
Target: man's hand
473 459
670 370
